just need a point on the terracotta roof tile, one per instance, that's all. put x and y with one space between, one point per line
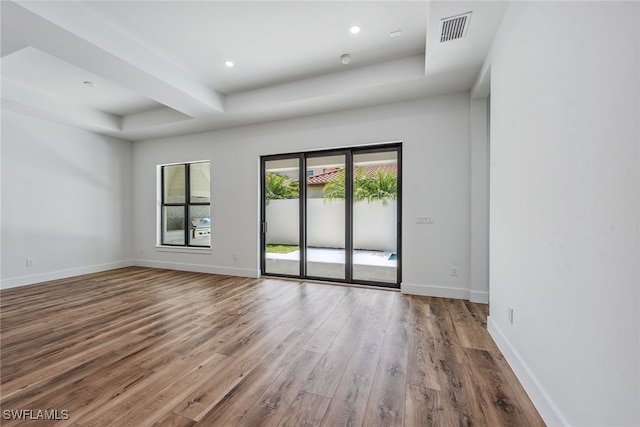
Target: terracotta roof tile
322 178
369 170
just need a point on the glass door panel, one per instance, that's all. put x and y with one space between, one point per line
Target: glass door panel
375 196
282 217
333 215
325 219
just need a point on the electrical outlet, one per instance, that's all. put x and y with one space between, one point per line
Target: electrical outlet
510 314
454 270
29 262
235 256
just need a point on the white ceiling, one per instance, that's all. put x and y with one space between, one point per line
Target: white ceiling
158 66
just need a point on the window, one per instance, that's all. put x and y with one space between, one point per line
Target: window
186 204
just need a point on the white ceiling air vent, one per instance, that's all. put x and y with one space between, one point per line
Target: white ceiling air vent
454 27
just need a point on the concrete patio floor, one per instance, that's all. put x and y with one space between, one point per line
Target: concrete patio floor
329 263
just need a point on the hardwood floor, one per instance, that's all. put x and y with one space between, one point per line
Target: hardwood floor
141 347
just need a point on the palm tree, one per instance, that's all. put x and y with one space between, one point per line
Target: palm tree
280 187
381 186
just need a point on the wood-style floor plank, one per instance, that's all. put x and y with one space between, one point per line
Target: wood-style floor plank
349 400
149 347
235 404
422 346
424 407
272 406
306 410
327 374
386 403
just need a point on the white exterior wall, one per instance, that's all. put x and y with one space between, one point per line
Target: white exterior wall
374 223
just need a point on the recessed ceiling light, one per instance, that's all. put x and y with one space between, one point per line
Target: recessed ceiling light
345 59
354 30
88 83
228 63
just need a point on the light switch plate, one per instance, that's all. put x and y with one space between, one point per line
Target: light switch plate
424 220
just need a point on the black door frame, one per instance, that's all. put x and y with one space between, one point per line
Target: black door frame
348 152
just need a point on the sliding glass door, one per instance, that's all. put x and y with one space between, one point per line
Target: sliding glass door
375 216
281 216
325 217
338 220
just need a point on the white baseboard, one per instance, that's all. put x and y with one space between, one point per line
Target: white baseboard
541 400
61 274
479 297
444 292
198 268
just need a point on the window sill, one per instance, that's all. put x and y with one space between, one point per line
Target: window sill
183 249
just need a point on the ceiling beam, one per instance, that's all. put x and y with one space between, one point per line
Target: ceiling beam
71 33
26 99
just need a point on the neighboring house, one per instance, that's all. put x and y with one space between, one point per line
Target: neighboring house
316 182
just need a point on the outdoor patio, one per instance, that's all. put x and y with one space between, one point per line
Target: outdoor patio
330 263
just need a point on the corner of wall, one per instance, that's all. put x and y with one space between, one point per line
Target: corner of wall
540 398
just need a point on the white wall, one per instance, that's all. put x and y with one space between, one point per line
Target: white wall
565 209
435 135
479 226
66 201
374 225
